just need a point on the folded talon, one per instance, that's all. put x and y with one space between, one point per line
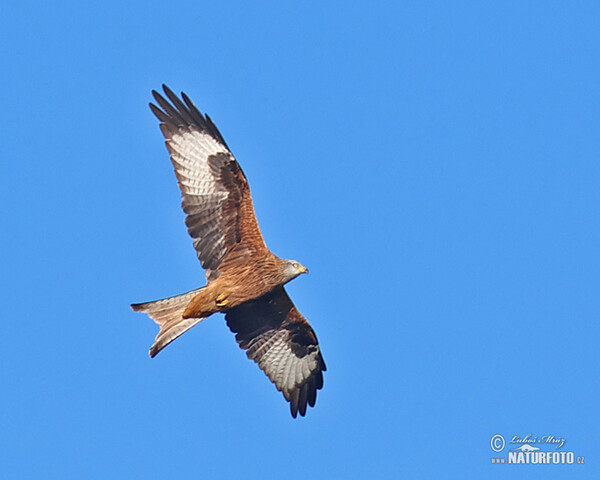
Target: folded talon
221 300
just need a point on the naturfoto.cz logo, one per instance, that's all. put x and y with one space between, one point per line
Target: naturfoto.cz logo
528 450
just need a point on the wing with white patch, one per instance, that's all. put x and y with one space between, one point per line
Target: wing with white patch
214 190
279 339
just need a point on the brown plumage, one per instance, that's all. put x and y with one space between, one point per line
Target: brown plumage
244 279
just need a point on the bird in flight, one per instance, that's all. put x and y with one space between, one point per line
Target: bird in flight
245 281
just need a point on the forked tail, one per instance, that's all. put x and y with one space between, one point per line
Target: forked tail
168 313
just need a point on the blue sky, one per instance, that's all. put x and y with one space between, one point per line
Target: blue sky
434 165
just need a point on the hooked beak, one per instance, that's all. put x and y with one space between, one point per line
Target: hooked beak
304 270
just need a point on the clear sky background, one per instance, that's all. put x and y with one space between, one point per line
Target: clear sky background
434 164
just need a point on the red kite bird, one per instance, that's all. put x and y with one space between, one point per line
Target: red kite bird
244 279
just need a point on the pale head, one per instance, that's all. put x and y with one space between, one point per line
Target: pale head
293 268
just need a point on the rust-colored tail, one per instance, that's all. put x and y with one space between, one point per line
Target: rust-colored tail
168 313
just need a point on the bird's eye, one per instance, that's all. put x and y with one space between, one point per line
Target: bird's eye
295 265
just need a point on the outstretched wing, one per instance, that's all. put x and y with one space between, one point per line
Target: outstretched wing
214 190
277 337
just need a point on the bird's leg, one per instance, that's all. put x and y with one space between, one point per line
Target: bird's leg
202 305
221 300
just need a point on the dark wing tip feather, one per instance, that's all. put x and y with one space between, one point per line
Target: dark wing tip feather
312 394
167 90
303 398
162 116
177 113
214 131
294 402
306 394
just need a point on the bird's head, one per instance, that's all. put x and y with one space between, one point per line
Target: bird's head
293 268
